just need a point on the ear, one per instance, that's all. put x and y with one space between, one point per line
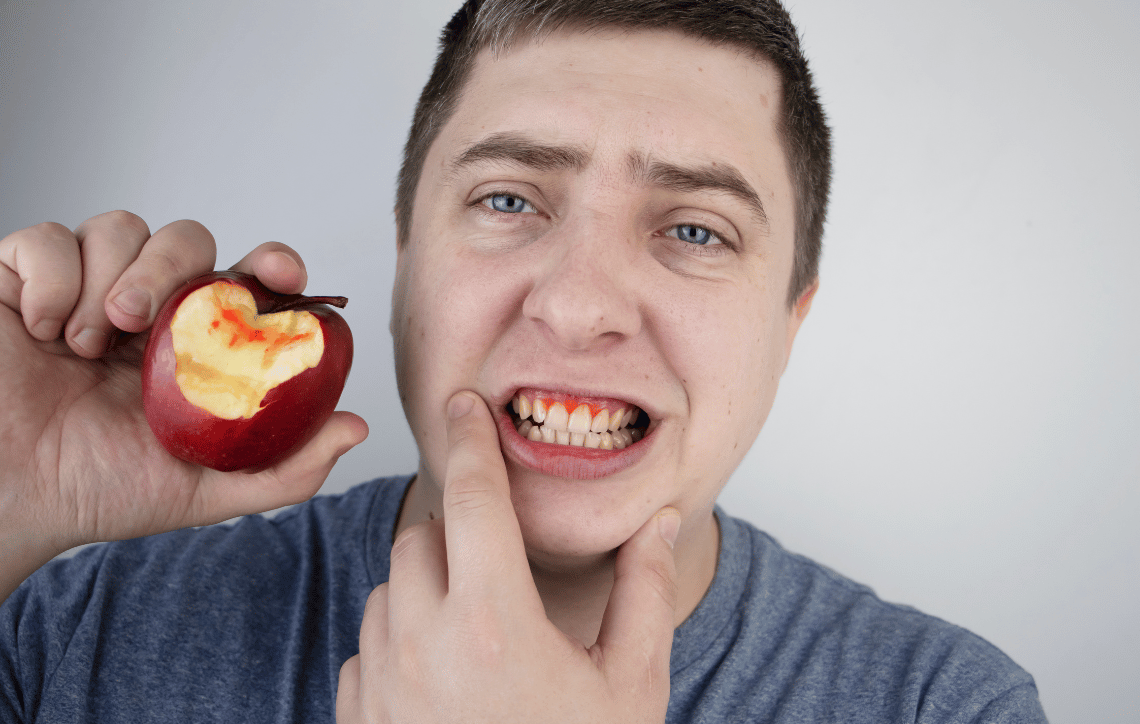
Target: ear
796 316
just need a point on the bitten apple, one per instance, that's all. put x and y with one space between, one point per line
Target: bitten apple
236 377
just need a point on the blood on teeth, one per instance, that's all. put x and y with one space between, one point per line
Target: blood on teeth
584 425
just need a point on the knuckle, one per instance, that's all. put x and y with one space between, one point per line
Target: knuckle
165 265
469 493
659 575
407 543
190 229
350 668
50 231
377 600
412 660
125 220
54 292
484 635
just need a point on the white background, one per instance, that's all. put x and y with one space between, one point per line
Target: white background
959 424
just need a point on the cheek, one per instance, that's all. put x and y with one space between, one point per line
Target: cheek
728 359
447 318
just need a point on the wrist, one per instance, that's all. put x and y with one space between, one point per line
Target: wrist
23 549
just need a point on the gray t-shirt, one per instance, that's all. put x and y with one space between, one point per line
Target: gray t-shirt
251 622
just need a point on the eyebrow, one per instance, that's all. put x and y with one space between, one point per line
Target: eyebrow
715 178
520 150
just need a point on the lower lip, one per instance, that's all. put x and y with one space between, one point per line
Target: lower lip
567 461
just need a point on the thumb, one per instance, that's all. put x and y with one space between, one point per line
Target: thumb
221 496
637 628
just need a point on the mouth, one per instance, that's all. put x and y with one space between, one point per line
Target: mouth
559 419
573 436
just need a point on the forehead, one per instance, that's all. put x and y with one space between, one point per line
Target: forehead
618 96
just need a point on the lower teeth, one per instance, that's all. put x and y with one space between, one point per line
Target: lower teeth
616 440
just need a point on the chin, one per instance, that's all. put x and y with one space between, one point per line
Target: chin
573 520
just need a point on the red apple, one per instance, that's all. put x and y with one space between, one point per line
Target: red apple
236 377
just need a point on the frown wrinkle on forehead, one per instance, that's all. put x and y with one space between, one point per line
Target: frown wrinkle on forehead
517 149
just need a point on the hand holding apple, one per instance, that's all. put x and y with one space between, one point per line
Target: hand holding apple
78 461
236 377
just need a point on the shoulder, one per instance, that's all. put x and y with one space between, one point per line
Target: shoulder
231 559
220 608
806 639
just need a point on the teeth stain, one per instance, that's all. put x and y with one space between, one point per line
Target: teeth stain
583 425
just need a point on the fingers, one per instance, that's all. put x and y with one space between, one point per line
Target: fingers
173 255
348 693
42 277
221 496
358 675
418 569
484 544
371 659
638 623
111 272
277 266
374 628
108 244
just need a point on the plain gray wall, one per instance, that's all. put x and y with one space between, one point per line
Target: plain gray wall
958 427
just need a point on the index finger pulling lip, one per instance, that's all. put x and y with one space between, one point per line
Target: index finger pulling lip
481 530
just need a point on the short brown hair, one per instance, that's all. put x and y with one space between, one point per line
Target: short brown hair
760 27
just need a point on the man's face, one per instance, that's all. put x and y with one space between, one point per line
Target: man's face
606 220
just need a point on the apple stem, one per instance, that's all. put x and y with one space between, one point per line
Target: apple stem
303 301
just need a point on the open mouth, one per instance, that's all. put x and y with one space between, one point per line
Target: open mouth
558 419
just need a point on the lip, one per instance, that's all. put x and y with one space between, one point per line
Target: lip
567 461
600 397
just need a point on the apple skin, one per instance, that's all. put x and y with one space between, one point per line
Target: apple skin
291 413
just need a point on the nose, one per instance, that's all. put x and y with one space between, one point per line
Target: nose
584 289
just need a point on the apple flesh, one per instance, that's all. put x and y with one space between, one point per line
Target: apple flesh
236 377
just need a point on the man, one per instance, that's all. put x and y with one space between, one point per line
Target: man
605 206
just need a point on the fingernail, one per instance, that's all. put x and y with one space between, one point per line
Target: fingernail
669 524
133 302
459 406
46 329
92 340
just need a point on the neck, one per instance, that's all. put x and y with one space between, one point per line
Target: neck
575 600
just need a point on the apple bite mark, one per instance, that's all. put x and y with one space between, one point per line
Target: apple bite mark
229 357
238 377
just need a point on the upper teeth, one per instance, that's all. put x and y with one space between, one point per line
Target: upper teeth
552 422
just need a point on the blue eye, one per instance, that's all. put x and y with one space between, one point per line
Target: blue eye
693 234
508 204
